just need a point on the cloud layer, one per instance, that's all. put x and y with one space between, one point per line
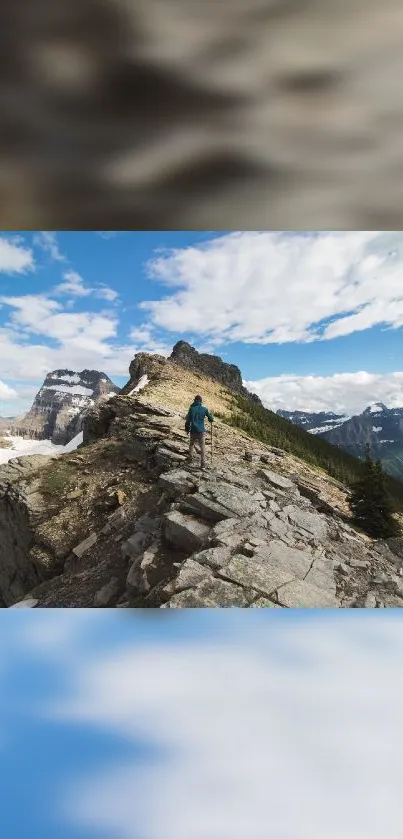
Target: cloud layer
255 725
267 287
344 393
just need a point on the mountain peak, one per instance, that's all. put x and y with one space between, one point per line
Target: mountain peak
58 408
375 408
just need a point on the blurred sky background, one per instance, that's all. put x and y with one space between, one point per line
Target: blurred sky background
227 724
160 114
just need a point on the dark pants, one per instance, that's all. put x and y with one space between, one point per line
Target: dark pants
198 437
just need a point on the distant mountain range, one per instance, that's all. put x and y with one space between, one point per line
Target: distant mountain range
378 425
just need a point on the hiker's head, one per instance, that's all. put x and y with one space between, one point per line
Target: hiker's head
198 399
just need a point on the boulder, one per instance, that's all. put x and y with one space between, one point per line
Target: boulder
221 500
190 575
177 482
139 579
276 480
133 546
185 532
105 596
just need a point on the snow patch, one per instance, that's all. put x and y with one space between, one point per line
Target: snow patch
329 427
74 443
20 447
76 390
139 386
377 428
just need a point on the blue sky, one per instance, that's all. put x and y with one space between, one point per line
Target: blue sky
314 320
223 723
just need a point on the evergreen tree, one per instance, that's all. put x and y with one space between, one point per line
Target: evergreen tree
370 502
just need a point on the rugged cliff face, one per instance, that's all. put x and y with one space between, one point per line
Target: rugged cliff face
212 366
59 406
125 521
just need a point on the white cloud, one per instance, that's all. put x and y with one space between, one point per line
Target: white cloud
73 284
146 341
107 234
14 257
344 393
6 392
274 287
47 240
289 728
106 293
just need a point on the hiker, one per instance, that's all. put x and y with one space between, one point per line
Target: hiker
195 425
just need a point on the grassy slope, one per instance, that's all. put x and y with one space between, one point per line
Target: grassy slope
274 430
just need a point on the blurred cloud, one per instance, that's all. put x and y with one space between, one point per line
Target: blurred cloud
160 114
255 725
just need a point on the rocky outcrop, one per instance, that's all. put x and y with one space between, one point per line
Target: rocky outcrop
59 406
213 366
21 509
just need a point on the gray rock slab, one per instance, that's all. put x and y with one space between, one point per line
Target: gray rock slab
299 594
276 480
209 594
289 560
84 546
177 482
313 523
184 531
257 573
190 575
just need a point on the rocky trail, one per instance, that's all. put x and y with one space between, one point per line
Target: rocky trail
125 522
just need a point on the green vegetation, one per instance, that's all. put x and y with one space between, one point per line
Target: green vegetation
273 430
370 503
56 480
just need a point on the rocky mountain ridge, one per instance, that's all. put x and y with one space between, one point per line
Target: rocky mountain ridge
60 404
124 521
377 425
316 423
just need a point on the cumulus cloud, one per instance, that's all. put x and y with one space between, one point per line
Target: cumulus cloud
279 726
275 287
41 335
15 258
73 285
344 393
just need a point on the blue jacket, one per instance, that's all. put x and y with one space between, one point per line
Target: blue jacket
196 416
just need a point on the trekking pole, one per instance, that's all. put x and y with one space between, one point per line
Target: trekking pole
211 443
